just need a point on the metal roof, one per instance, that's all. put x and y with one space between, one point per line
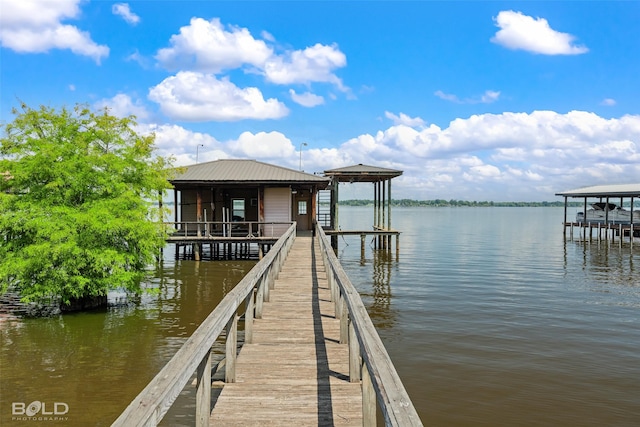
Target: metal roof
619 190
362 173
239 171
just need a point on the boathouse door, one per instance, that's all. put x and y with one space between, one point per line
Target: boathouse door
302 210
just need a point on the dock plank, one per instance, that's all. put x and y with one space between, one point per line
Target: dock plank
295 372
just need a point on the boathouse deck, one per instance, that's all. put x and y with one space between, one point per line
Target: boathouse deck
295 371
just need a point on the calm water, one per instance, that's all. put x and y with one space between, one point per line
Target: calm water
489 315
492 319
97 362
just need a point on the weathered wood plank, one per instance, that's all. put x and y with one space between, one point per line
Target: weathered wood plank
294 372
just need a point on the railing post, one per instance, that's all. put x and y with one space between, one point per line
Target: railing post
355 361
248 318
260 296
203 391
231 347
344 321
368 399
268 282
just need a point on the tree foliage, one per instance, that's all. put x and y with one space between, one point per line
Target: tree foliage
77 216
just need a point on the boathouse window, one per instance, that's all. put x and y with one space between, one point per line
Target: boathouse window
237 209
302 207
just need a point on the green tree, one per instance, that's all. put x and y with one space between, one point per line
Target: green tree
77 216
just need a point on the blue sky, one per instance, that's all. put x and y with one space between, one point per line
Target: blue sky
473 100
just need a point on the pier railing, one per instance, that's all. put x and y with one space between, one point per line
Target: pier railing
369 361
153 402
226 228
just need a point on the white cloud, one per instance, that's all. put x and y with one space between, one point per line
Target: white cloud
122 105
509 156
488 97
262 145
35 26
447 97
123 10
141 60
404 119
192 96
183 144
313 64
522 32
306 99
609 102
208 47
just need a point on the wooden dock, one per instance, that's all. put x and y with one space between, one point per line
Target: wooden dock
311 354
295 371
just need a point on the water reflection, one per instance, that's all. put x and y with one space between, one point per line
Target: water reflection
608 269
97 362
373 282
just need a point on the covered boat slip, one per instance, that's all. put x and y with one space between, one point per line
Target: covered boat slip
381 180
612 212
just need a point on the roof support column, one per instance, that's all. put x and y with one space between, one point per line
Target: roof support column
389 205
375 204
384 201
584 218
175 206
564 228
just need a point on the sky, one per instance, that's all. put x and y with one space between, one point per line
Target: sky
472 100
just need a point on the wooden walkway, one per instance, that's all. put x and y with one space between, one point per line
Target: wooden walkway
295 372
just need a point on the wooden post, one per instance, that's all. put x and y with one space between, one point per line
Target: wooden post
620 235
248 318
231 349
267 283
375 204
368 399
260 297
355 361
389 212
344 322
203 391
564 227
584 218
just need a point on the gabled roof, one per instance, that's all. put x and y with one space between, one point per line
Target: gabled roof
620 190
362 173
236 171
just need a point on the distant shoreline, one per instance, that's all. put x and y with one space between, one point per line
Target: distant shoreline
459 203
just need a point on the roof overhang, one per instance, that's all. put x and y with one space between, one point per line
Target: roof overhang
362 173
620 190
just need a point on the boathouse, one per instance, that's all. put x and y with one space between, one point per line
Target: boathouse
608 210
247 194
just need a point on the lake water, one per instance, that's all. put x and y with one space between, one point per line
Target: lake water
492 318
489 315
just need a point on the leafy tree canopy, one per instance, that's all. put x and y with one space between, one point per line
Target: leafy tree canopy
76 211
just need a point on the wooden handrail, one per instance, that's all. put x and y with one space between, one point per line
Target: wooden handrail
368 359
205 228
153 402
